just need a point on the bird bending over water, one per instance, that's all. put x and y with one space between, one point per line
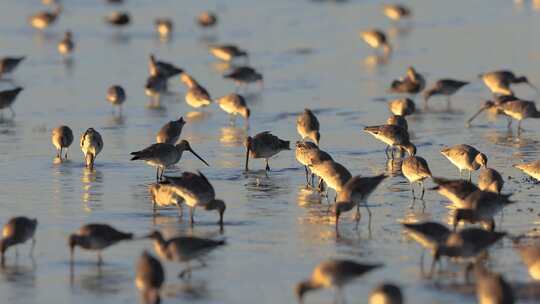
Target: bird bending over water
264 145
17 231
465 157
532 169
62 137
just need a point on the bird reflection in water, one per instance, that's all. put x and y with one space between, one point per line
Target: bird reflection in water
22 276
232 136
187 290
507 138
373 61
393 166
154 103
100 280
401 30
307 197
197 116
92 182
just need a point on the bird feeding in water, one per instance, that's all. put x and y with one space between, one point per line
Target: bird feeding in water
264 145
62 138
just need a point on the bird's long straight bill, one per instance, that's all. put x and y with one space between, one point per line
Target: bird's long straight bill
482 109
247 159
200 158
533 87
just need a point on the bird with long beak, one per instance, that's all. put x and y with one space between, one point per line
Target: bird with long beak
465 157
91 145
96 237
393 136
333 273
355 193
465 244
264 145
514 109
499 82
196 191
447 87
532 169
184 249
481 207
163 155
17 231
492 105
307 126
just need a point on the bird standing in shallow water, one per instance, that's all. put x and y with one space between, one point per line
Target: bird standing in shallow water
499 82
7 98
392 136
234 104
377 39
162 155
307 126
116 95
9 64
354 193
149 278
333 274
227 52
531 169
196 96
17 231
396 12
244 75
207 19
66 46
413 83
309 154
447 87
416 170
96 237
264 145
490 180
62 137
163 195
118 19
170 132
183 249
332 173
43 20
91 145
465 157
197 191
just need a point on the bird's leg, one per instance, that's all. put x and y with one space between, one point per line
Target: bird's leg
32 247
312 179
448 103
157 174
509 125
65 156
161 175
386 152
100 259
307 176
191 213
267 166
12 112
412 190
59 153
185 272
423 190
519 129
470 175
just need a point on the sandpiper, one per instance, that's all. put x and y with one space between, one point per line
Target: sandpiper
183 249
416 170
455 190
116 95
264 145
396 12
307 126
499 82
155 85
9 64
517 109
43 20
17 231
163 195
490 180
355 193
7 98
493 105
333 273
377 39
62 137
149 278
308 153
170 132
165 69
392 136
234 104
386 293
334 174
91 145
402 106
491 287
196 96
447 87
413 83
481 207
96 237
197 191
244 75
531 169
467 243
428 234
227 52
163 155
207 19
118 19
465 157
530 255
399 121
164 27
66 45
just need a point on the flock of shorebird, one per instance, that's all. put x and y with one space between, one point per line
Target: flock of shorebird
473 203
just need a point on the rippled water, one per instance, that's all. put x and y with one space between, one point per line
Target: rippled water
311 56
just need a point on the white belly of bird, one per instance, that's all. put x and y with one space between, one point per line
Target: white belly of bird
39 23
195 101
460 164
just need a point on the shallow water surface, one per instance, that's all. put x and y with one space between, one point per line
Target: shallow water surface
277 231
